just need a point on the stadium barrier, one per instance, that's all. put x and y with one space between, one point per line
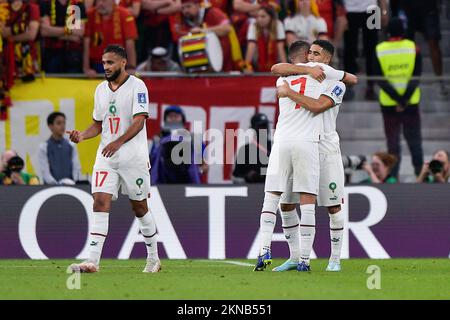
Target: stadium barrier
218 222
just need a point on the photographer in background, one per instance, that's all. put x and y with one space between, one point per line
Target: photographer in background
380 169
8 154
352 164
252 158
437 170
12 173
164 170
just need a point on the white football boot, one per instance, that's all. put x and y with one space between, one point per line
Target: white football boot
152 266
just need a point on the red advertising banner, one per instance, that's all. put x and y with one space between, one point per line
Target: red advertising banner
217 103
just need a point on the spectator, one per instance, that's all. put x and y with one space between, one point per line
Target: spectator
8 154
62 47
333 12
58 158
159 61
154 24
252 158
265 41
423 16
225 5
5 100
397 60
165 169
242 12
196 19
133 6
358 18
437 170
380 169
20 33
108 24
304 25
12 174
89 4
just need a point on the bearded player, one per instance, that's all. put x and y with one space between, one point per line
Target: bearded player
331 186
120 112
294 160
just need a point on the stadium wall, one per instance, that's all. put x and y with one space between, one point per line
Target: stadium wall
216 102
218 222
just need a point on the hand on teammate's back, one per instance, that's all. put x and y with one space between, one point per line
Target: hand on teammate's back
283 90
317 73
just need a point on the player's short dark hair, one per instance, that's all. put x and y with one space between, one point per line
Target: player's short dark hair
297 47
325 45
52 117
115 48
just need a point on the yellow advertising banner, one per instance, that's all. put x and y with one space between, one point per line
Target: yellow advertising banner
26 126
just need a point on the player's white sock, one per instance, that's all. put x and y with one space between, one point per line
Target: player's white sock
291 232
97 236
268 220
336 234
307 230
147 226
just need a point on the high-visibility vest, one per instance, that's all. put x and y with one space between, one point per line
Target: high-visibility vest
397 60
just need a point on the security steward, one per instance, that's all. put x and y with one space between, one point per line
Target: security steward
397 60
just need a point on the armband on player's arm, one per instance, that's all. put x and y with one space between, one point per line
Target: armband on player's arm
349 79
339 75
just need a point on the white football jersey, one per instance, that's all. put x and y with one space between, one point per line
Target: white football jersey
294 122
116 109
330 72
335 90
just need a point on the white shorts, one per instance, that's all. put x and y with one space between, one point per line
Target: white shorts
293 166
331 185
331 181
133 181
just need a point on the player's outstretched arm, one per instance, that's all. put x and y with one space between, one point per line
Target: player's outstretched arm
339 75
318 72
287 69
314 105
136 126
94 130
350 79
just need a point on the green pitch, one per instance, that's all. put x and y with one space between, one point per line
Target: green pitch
203 279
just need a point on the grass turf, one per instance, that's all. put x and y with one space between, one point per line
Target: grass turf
210 279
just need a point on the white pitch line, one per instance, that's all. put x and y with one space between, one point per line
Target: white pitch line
238 263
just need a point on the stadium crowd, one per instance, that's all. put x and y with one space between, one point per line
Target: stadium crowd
67 36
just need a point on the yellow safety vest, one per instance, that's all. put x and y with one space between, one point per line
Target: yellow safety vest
397 60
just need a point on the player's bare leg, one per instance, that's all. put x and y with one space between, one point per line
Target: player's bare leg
147 226
291 223
307 229
98 232
336 234
267 225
